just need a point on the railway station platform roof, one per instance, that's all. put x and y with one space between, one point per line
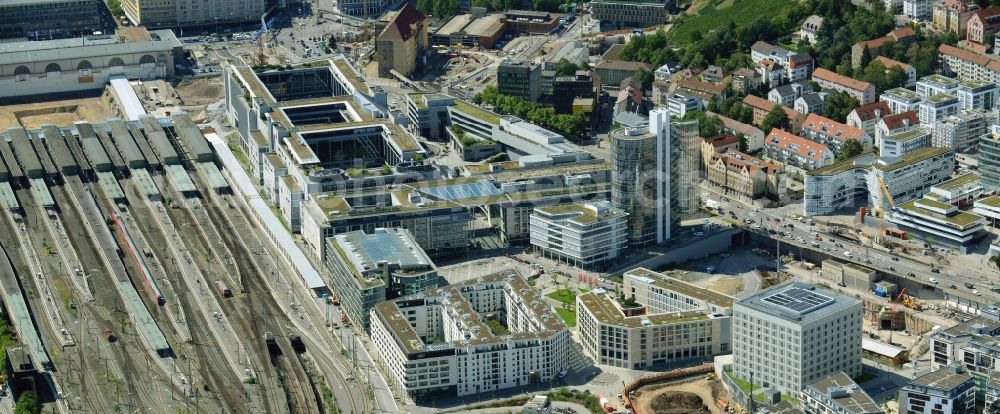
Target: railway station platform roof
7 197
180 178
213 176
142 319
145 183
109 184
41 192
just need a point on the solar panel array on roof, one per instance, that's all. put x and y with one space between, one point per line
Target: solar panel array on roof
194 141
157 138
60 151
95 153
109 148
799 300
43 155
8 157
77 151
25 153
463 191
140 140
123 140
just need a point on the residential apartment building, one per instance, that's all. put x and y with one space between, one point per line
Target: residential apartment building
402 43
795 334
950 389
919 10
787 94
969 66
960 132
613 72
989 159
935 84
866 117
864 92
761 107
583 235
902 143
810 28
952 16
370 268
796 151
937 107
895 124
743 174
839 394
901 100
718 144
977 95
487 334
662 320
911 72
809 103
753 135
522 80
833 134
640 159
904 36
984 22
781 65
617 14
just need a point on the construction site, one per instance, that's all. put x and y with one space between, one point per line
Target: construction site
137 278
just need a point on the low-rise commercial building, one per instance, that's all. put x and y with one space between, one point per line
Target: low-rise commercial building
531 22
778 334
864 92
659 320
487 334
617 14
370 268
839 394
582 235
950 389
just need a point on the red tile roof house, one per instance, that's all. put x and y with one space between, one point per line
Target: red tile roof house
793 150
754 136
895 124
984 22
867 116
864 92
743 174
762 106
904 36
717 144
911 72
833 134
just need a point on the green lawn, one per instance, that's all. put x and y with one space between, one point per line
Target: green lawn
568 316
564 295
745 386
718 13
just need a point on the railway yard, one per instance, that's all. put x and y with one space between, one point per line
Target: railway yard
137 280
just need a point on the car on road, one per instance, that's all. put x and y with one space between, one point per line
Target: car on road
848 254
910 274
933 280
895 258
976 292
969 285
952 286
890 268
935 270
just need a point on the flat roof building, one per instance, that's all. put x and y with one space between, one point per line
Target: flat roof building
778 335
486 334
583 235
838 393
617 14
950 389
47 19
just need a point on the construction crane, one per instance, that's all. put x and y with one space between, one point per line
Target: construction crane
882 211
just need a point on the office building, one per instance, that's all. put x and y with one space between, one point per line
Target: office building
167 13
910 176
959 191
833 134
49 19
566 89
427 114
977 95
582 235
834 187
901 100
370 268
486 334
989 159
795 334
952 16
522 80
960 132
531 22
618 14
919 10
950 389
864 92
902 143
46 67
927 218
401 45
838 393
659 320
937 107
654 176
935 84
796 151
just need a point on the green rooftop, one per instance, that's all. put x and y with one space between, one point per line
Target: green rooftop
975 84
926 202
585 214
862 161
958 219
939 79
604 309
959 182
991 201
913 157
477 112
908 135
903 93
941 98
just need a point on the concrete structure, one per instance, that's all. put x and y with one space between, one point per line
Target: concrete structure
950 389
538 404
960 132
952 16
617 14
796 151
519 79
583 235
531 22
850 275
72 65
838 393
486 334
989 159
401 45
660 320
157 13
471 30
833 134
370 268
783 336
864 92
48 19
901 100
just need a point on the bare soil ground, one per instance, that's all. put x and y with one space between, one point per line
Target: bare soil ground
696 397
202 91
729 285
64 112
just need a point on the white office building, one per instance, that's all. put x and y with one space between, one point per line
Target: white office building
926 217
961 131
901 100
937 107
977 95
950 389
582 235
794 334
917 9
910 176
898 145
490 333
935 84
663 320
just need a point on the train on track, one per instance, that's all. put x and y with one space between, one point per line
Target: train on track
137 256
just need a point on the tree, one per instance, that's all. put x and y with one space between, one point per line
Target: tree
851 148
866 56
646 77
27 403
566 68
838 105
551 6
996 261
777 118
